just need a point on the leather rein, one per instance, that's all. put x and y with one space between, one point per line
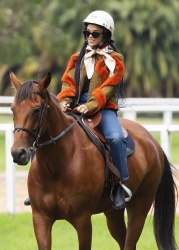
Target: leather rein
38 131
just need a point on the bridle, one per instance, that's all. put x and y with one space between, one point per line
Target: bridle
38 131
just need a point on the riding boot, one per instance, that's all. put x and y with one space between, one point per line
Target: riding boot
27 202
118 197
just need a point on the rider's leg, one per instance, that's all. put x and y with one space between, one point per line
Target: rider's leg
112 131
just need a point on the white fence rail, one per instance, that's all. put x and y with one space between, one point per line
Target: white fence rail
165 106
135 106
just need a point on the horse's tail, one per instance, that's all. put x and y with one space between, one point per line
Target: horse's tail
164 210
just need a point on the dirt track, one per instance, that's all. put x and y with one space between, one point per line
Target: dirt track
20 191
22 194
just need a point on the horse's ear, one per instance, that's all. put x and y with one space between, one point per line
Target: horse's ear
14 80
45 82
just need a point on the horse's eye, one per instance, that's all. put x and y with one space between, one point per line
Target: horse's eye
37 110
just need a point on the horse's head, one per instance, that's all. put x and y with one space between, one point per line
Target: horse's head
28 109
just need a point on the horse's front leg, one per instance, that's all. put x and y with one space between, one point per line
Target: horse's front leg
83 227
42 228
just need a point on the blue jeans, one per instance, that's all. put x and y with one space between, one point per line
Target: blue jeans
111 129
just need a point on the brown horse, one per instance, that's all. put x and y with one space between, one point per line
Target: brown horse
67 175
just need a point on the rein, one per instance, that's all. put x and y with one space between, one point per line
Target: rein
37 134
54 139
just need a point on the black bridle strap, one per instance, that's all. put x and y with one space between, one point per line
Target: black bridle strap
36 134
26 130
53 140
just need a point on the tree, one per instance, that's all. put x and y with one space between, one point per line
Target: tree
148 32
37 37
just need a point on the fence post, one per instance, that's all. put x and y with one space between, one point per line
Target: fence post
165 142
129 114
167 117
10 171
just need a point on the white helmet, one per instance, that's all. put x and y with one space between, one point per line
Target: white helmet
101 18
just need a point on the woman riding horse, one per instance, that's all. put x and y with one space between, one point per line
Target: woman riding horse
66 179
91 81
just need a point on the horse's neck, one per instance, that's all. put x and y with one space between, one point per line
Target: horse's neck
57 122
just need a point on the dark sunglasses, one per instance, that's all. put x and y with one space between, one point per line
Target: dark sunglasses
94 34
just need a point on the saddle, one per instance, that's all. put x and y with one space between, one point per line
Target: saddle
90 124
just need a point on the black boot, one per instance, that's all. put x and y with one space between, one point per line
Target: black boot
118 197
27 202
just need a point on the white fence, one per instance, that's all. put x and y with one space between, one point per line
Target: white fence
165 106
133 107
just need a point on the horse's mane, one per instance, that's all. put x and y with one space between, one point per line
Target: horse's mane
25 91
54 98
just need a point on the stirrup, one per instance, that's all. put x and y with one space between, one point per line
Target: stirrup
127 190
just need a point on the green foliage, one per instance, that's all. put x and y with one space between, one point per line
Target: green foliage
40 36
149 38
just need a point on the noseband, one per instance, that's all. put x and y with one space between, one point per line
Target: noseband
37 134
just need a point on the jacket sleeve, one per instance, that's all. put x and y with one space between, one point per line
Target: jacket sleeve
107 89
68 84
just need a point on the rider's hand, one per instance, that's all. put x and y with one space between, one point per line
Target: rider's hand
83 109
65 107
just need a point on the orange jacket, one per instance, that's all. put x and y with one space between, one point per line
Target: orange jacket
102 88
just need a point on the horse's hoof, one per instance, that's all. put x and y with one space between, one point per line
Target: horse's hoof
118 197
27 202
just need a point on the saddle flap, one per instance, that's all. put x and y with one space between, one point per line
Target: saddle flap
93 120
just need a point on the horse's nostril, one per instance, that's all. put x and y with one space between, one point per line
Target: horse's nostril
21 153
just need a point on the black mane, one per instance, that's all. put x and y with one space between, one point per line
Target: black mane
25 91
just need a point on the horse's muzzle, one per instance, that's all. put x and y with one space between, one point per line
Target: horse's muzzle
21 156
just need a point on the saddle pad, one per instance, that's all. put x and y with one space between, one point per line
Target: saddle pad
89 122
130 144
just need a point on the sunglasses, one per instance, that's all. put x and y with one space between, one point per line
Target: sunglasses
94 34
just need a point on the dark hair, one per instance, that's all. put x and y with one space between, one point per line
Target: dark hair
77 71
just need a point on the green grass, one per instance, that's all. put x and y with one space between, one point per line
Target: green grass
16 232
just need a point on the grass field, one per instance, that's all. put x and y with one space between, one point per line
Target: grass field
16 233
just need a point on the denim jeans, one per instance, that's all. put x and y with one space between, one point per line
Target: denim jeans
111 129
83 98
